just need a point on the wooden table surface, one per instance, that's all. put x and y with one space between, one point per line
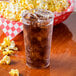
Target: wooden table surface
63 53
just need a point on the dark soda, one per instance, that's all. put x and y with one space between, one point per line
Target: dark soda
37 36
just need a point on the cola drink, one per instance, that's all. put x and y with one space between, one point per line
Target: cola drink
37 28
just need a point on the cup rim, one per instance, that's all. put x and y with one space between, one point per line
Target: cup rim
51 14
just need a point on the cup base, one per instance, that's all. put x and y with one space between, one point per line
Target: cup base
36 67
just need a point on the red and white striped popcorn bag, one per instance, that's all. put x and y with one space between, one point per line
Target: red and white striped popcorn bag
13 28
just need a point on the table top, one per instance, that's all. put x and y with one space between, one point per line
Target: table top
63 53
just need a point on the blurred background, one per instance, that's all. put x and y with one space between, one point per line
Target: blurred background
74 5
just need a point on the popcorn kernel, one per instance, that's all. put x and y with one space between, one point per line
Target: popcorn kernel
14 72
5 60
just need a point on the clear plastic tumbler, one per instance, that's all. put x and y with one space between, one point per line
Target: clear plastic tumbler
37 28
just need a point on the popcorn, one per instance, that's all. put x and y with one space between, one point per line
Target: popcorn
8 47
12 10
7 41
13 1
8 52
3 5
5 60
0 6
14 72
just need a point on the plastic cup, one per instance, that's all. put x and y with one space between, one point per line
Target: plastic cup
37 28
